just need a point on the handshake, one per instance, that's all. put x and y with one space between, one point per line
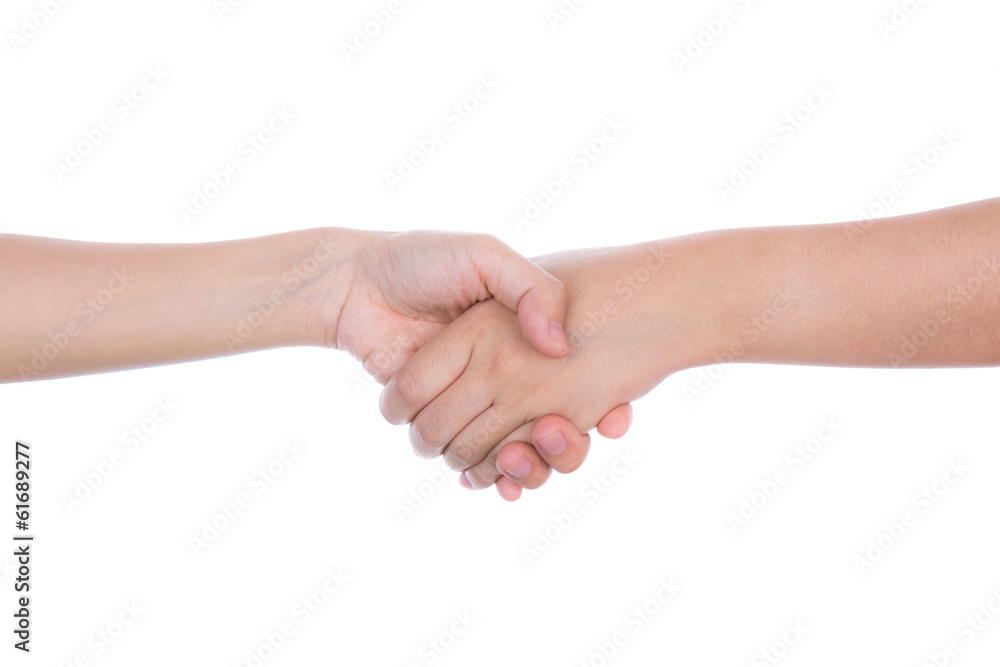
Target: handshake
499 364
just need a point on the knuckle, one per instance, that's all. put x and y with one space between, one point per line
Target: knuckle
505 361
539 478
559 290
461 455
482 476
421 451
425 434
469 451
390 409
407 387
572 465
383 406
487 241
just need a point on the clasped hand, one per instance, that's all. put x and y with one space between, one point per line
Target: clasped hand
470 346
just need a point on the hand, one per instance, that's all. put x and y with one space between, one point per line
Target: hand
406 287
478 383
555 445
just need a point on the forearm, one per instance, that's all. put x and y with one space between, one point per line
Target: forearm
69 307
921 291
819 294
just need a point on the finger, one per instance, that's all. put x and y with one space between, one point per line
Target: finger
477 439
538 297
556 441
507 489
484 473
442 419
616 423
514 458
521 464
423 377
540 315
560 443
392 352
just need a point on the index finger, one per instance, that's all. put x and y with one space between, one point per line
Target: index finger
431 370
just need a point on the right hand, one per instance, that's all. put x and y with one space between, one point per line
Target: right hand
478 385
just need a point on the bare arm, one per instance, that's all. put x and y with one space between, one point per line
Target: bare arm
70 307
918 290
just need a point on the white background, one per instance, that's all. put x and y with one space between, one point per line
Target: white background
697 456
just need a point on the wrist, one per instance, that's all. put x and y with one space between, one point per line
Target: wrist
315 281
670 305
640 303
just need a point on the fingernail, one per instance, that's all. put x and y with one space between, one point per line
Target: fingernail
463 480
557 334
553 443
520 469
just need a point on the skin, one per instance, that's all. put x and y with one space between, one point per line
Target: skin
378 296
70 307
916 291
555 445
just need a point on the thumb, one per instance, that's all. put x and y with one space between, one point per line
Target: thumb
536 295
